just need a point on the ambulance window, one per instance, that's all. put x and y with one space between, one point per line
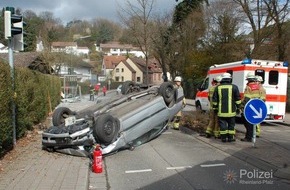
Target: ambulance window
260 72
204 85
273 77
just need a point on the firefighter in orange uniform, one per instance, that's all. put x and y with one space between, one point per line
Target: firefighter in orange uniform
262 97
252 91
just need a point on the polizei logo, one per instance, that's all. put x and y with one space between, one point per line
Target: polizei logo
253 177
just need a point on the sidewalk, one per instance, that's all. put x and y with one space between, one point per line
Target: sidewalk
29 167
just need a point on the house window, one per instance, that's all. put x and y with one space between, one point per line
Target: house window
117 70
122 79
122 70
138 79
117 79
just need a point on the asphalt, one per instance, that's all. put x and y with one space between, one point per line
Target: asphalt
30 167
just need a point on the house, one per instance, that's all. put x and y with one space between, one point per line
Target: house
109 63
81 70
69 48
66 47
154 70
115 48
134 69
123 72
31 60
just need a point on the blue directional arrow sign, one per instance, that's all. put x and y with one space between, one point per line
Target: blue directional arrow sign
255 111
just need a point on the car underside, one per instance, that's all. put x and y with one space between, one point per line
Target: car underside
136 117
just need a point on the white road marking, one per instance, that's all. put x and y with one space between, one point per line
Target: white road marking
272 130
178 167
211 165
138 171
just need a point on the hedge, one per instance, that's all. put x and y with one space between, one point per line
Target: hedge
35 96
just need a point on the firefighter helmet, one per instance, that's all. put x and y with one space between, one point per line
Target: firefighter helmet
251 77
218 78
259 78
177 79
226 76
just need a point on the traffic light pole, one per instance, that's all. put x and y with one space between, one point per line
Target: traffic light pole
11 64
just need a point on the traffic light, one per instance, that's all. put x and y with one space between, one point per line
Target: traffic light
14 28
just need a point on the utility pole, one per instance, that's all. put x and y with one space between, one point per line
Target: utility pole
14 34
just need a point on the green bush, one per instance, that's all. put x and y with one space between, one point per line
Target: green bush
36 95
6 131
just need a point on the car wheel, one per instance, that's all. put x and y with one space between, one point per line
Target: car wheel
167 91
60 114
106 128
127 87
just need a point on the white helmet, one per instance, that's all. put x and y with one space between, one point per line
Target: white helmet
226 76
177 79
259 78
218 78
251 76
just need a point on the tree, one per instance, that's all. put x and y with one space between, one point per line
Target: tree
266 19
137 19
223 40
104 30
187 30
278 11
160 39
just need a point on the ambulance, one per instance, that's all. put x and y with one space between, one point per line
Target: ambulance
275 77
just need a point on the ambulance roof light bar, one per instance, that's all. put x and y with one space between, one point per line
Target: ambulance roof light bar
247 61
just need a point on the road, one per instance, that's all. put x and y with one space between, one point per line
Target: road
176 160
179 161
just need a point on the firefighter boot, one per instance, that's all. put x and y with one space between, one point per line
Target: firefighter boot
224 138
176 125
208 132
231 138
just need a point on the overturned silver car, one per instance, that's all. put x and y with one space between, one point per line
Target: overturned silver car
133 119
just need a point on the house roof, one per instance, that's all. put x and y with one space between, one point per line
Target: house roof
111 61
84 64
63 44
21 59
31 60
153 65
129 66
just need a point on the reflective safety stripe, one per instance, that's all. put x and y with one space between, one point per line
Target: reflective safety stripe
225 106
225 132
211 90
232 132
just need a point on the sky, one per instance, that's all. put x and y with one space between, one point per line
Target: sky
68 10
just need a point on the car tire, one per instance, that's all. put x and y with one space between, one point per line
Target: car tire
168 93
127 87
105 129
60 114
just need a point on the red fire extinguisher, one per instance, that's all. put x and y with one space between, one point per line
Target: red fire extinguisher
97 160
